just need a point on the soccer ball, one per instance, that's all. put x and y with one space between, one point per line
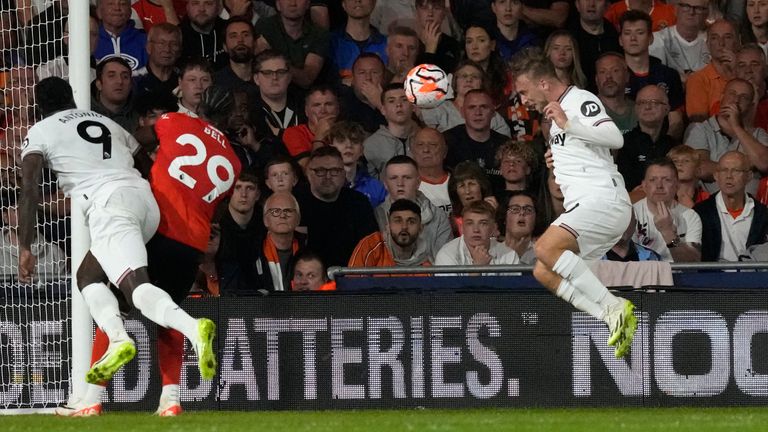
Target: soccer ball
427 86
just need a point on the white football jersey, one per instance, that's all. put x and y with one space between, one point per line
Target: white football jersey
89 153
582 162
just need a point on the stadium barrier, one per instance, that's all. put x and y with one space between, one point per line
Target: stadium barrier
470 346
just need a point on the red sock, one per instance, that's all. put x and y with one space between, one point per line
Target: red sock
170 353
100 345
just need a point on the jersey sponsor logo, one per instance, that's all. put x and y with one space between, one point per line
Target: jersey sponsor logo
558 139
24 143
590 109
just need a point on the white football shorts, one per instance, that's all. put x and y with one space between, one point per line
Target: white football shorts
120 225
597 223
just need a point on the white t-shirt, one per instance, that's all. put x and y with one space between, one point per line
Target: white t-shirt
582 157
677 53
89 153
437 194
687 222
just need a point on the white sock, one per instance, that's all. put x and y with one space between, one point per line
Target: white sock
569 293
570 266
105 311
158 306
170 392
93 394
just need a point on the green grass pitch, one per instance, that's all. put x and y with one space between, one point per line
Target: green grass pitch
481 420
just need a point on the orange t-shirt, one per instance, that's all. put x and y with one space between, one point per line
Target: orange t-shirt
662 15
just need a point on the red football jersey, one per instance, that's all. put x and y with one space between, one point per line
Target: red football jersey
194 169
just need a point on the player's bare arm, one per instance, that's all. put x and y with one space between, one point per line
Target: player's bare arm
31 167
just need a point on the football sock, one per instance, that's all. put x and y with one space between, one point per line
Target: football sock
158 306
570 266
171 392
170 350
105 311
569 293
93 394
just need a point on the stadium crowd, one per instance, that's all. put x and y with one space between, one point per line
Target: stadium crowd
340 169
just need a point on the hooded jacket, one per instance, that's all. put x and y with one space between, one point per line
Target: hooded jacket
375 250
436 230
381 147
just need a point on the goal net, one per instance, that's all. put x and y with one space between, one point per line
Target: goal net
35 323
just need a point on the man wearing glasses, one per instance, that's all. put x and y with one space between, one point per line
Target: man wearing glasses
276 106
733 221
334 217
730 129
282 242
649 139
683 46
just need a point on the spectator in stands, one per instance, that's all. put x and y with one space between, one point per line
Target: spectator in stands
670 229
114 97
253 150
400 243
519 217
11 53
480 47
467 76
662 15
402 50
648 140
241 235
546 16
683 46
389 14
164 50
118 36
705 87
435 47
281 174
626 250
428 149
594 35
309 273
282 242
512 34
477 245
322 110
562 51
690 190
401 178
733 221
395 138
361 102
468 183
195 76
51 261
475 140
612 79
59 66
238 44
276 107
357 37
751 66
348 139
516 161
336 218
754 22
730 130
635 37
305 44
154 12
203 32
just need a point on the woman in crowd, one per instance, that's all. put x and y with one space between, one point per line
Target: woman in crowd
562 50
468 183
480 47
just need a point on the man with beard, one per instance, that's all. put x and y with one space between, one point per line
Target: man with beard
203 32
334 217
611 78
238 43
403 246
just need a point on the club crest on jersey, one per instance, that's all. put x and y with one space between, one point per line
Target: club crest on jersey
590 109
24 143
558 139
